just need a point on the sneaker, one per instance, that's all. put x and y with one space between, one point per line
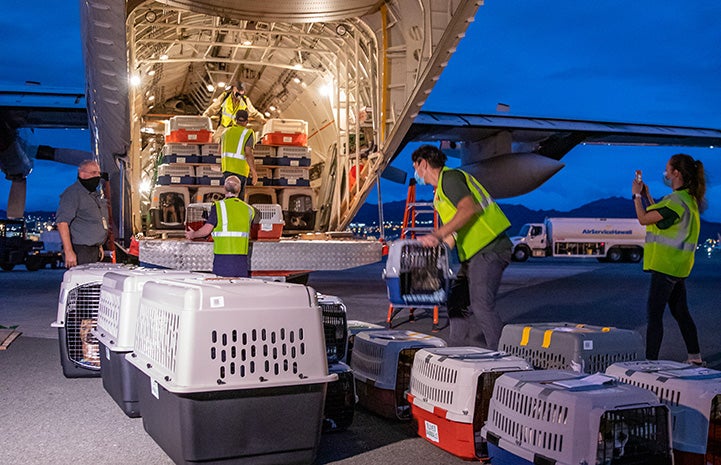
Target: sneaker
696 362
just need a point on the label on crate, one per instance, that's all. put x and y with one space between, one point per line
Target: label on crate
217 301
107 350
587 345
431 431
154 389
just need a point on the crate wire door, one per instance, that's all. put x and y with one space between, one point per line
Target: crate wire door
81 318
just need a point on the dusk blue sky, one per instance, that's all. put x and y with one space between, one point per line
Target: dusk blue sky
642 62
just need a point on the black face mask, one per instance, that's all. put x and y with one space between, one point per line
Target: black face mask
91 184
237 94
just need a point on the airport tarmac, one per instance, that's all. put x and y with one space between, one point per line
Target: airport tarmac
47 418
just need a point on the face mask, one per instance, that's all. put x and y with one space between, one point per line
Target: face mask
91 184
666 180
419 180
237 94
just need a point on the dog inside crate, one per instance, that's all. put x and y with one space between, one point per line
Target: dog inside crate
634 437
172 208
420 269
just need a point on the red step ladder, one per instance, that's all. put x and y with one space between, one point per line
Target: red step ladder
410 227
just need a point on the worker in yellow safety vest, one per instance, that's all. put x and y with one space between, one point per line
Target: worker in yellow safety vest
672 225
228 104
236 151
475 223
229 221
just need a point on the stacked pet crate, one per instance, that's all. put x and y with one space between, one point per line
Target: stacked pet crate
281 132
209 194
570 346
189 129
341 396
77 317
382 362
449 394
117 316
559 417
694 396
227 378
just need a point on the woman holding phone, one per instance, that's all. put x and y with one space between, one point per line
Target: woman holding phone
672 230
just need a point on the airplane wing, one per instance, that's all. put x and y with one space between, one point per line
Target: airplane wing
513 155
23 109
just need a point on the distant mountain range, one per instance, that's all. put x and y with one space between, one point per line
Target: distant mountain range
518 215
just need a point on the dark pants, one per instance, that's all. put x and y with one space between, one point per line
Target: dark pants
479 324
87 253
243 182
669 290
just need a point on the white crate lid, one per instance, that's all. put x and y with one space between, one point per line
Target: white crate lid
375 353
226 334
91 273
688 390
269 213
120 299
447 377
557 414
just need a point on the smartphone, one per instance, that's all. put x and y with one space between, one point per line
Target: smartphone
638 176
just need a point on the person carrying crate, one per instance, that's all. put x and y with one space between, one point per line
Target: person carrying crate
229 221
236 152
476 223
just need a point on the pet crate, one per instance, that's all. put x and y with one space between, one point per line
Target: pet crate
184 129
289 155
693 394
197 216
291 176
382 362
449 393
265 176
335 326
167 206
180 153
255 195
285 132
264 154
270 227
115 332
417 276
209 175
340 399
77 317
299 206
226 378
354 328
176 173
563 418
210 153
570 346
209 194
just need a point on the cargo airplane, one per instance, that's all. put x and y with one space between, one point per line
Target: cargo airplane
358 71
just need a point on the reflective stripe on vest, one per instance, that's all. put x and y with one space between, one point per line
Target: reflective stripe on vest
233 152
228 110
483 227
231 234
672 250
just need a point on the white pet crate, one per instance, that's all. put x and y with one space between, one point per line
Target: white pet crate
288 155
117 316
335 326
571 346
176 173
77 317
180 153
210 153
417 276
291 176
382 362
563 418
285 132
193 129
694 396
209 175
264 154
449 394
265 176
248 376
